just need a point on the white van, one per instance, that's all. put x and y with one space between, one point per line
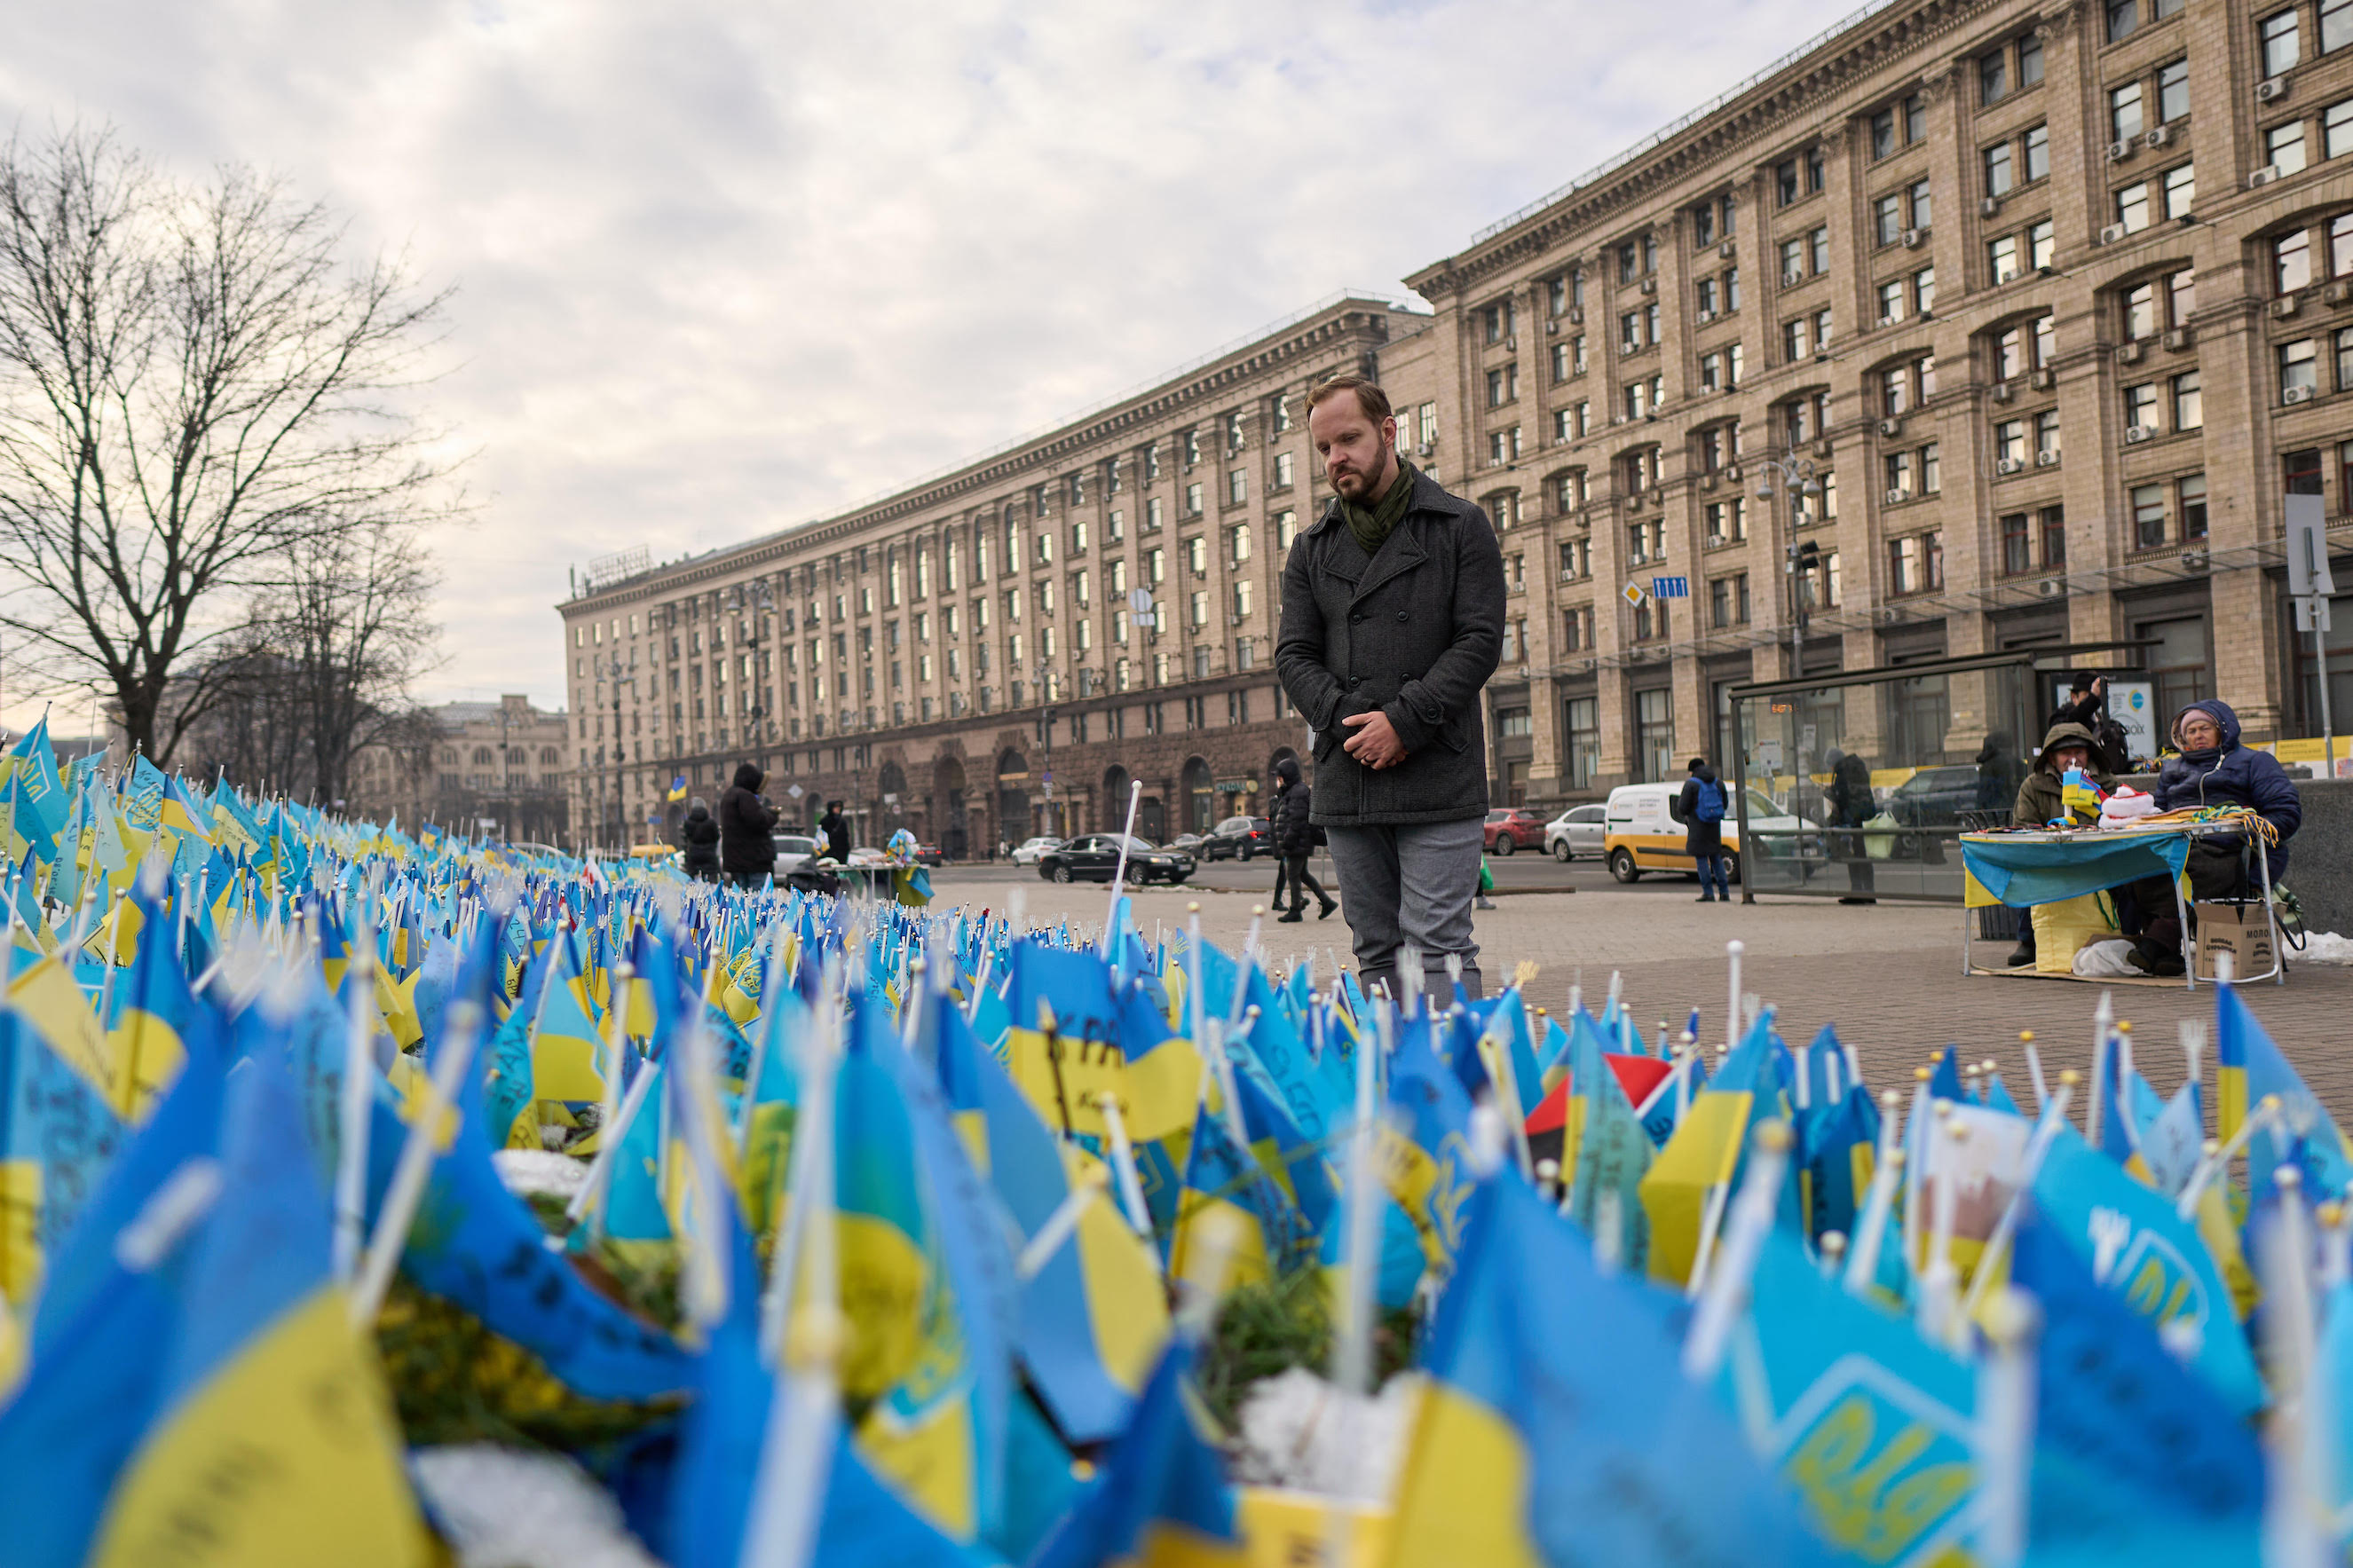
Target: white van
1644 832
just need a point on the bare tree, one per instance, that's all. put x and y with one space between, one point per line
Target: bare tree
195 390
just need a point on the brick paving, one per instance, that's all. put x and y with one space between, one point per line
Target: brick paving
1888 976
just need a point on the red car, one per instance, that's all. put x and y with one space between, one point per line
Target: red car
1517 829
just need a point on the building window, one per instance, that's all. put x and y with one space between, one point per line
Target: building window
1236 486
2125 121
1578 628
2010 442
1915 564
2046 435
1924 290
1654 734
2017 543
2292 261
2336 25
2053 521
2336 125
1193 499
2189 403
1882 133
2180 190
2190 497
1283 471
2276 34
2148 516
2172 91
1584 729
2132 206
1887 219
1727 602
1993 77
2283 147
2001 258
2124 16
1899 475
1998 170
1891 301
2036 146
2140 406
2298 372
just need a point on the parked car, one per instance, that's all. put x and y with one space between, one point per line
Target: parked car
1188 844
1243 837
929 855
1644 831
1512 829
1576 831
794 850
1936 797
1029 849
1095 858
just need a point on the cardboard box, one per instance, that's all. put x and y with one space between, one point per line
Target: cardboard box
2240 930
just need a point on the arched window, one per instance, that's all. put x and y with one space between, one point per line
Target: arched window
547 756
481 756
1200 798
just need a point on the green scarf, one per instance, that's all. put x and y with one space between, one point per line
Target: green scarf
1373 524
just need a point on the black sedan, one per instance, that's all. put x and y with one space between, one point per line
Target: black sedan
1095 858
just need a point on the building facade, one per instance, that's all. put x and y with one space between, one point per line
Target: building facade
1002 651
497 769
1976 324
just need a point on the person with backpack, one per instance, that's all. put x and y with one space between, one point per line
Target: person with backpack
1701 805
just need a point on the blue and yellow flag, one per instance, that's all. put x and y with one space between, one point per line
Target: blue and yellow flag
263 1364
2249 1069
1557 1428
1705 1151
59 1132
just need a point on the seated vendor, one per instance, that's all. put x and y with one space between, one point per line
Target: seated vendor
2040 802
2214 769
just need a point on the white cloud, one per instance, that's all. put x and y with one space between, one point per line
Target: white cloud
722 268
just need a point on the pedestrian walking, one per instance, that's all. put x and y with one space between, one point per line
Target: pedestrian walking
1701 805
1392 622
1294 841
747 825
698 837
833 828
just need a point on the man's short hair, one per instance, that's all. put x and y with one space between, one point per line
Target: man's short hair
2083 681
1697 763
1369 396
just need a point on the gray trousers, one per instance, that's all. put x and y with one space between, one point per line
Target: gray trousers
1410 885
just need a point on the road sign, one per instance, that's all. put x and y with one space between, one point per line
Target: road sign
2311 615
1670 587
2307 546
1633 596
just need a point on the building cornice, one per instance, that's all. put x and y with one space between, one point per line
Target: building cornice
1741 134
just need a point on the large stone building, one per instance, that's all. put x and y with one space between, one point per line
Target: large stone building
495 769
2001 323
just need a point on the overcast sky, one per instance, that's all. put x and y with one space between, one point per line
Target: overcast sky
723 267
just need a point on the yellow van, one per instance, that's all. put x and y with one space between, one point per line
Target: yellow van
1643 833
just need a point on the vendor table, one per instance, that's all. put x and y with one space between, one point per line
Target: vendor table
2045 865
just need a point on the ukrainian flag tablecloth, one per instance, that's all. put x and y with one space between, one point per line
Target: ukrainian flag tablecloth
2025 869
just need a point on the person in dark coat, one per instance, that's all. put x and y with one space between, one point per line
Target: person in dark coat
698 836
1294 840
1703 834
747 843
833 828
2213 769
1851 804
2087 704
1392 623
2042 800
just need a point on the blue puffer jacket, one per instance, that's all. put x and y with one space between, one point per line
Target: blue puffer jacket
2231 774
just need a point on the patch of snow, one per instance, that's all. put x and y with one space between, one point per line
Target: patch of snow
1300 1431
2326 947
528 1171
512 1507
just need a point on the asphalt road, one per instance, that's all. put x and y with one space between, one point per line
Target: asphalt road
1525 872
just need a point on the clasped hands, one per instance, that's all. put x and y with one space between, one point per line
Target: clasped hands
1375 743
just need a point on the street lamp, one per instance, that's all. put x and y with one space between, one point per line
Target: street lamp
759 595
616 671
1797 476
1046 732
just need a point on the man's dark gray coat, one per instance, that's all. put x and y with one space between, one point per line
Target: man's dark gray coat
1414 631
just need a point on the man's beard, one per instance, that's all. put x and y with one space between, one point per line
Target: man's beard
1365 481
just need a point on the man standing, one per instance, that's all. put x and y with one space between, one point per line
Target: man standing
833 828
1294 840
1392 622
748 845
1701 805
2087 704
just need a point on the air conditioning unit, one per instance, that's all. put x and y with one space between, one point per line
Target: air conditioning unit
2271 90
1425 449
1552 329
1577 315
1887 618
2008 276
2130 353
2178 339
2337 293
1895 497
1727 250
2263 176
1628 351
2113 233
1912 237
1891 427
1990 207
2136 434
2010 466
2158 136
1705 317
2001 391
2048 459
2284 306
1822 447
2296 394
1732 471
1649 285
1707 481
2052 588
2120 150
1511 342
2041 380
